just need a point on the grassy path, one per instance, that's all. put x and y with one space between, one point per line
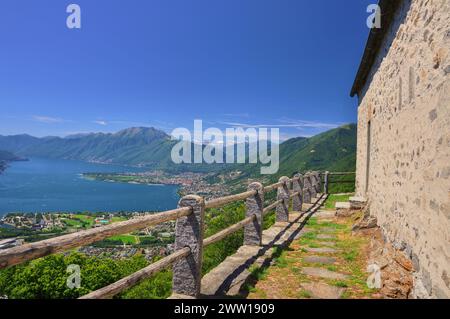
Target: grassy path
326 262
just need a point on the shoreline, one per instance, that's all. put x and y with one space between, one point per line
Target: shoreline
93 178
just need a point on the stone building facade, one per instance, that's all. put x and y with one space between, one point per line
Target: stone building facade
403 142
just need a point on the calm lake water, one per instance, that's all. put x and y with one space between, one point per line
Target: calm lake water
48 185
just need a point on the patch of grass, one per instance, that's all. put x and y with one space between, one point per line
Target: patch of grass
310 235
332 268
330 203
281 261
339 283
250 288
126 239
269 220
305 294
116 219
312 221
331 225
258 273
351 255
345 295
296 270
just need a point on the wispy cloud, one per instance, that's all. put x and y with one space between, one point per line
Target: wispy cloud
298 124
245 115
302 124
103 123
47 119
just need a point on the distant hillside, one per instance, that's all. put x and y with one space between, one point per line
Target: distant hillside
140 146
334 150
6 157
134 146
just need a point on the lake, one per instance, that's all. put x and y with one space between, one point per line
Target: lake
50 185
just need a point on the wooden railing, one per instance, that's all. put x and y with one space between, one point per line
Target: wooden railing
189 242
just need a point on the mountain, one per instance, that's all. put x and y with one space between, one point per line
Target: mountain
333 150
134 146
18 143
149 147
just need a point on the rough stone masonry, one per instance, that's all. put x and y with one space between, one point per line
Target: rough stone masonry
403 147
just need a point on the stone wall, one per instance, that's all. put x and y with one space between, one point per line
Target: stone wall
407 101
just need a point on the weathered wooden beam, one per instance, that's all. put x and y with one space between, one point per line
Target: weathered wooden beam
341 173
133 279
218 202
272 187
228 231
21 254
271 207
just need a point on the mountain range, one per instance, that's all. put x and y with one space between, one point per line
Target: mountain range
151 148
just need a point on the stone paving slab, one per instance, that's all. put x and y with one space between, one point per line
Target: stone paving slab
319 260
325 250
328 243
327 230
342 205
325 236
328 214
323 273
323 291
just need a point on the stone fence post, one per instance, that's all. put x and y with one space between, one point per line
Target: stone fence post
254 206
318 182
325 183
282 211
189 233
313 180
307 188
297 187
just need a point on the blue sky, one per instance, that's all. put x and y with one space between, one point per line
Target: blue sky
163 63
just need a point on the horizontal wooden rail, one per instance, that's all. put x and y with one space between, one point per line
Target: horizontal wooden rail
271 207
272 187
20 254
131 280
218 202
341 173
294 194
228 231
